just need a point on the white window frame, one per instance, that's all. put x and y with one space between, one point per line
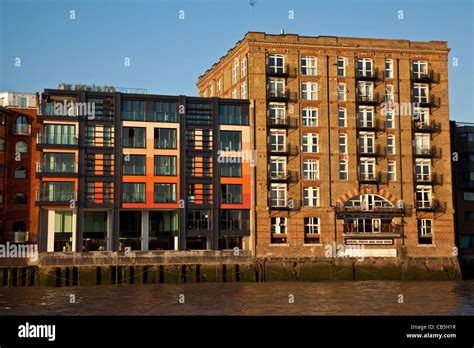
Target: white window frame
363 114
367 168
279 227
421 143
313 225
234 93
390 119
366 142
279 114
341 68
310 64
311 196
423 93
426 193
419 68
389 93
281 195
243 90
275 66
276 87
425 228
342 111
365 89
422 115
392 170
243 67
365 67
309 116
309 91
389 68
341 91
423 169
310 169
342 143
310 142
342 172
211 90
235 71
280 140
277 166
219 81
391 148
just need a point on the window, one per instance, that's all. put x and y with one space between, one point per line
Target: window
165 138
423 196
423 169
365 90
310 117
165 165
235 71
134 137
311 196
422 143
341 92
367 169
243 90
276 63
365 116
421 116
390 145
277 167
278 225
134 165
19 198
21 147
165 111
390 121
231 140
341 117
309 90
59 134
133 110
165 193
233 114
342 169
99 136
469 196
392 176
20 173
58 163
243 67
366 142
420 93
231 170
231 194
310 169
311 230
341 67
211 90
276 114
364 67
311 142
342 143
234 220
23 102
2 144
219 84
419 68
425 233
277 140
276 87
57 191
134 192
198 220
234 94
308 66
278 195
389 68
389 94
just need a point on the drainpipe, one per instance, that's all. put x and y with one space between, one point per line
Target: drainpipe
400 146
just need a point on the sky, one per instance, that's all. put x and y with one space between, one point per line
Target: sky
166 53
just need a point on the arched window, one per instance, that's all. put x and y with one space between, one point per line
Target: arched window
369 202
19 226
20 198
21 147
22 120
20 173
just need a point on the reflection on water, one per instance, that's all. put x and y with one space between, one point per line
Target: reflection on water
319 298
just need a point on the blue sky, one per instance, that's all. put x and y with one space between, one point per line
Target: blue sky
167 54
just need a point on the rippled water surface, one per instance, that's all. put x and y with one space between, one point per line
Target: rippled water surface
272 298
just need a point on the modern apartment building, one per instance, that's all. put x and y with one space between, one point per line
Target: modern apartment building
18 214
146 172
463 177
353 142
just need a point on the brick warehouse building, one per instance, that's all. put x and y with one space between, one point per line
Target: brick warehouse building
18 156
335 164
142 171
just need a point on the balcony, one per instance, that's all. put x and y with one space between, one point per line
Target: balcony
343 211
367 75
283 122
374 125
383 230
430 127
283 204
288 150
371 178
281 96
429 179
434 206
57 197
281 71
370 151
428 77
56 170
22 129
427 152
430 101
56 140
287 176
371 99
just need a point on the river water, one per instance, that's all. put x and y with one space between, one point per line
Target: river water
272 298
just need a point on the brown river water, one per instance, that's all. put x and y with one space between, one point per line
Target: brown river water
271 298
